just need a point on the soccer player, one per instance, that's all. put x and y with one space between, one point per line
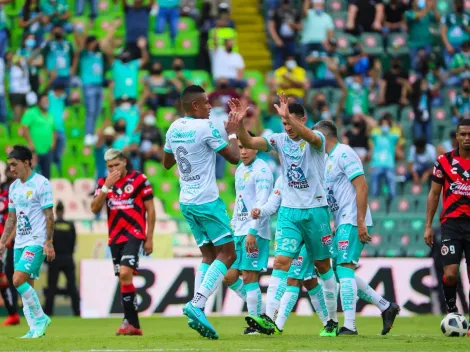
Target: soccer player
301 270
30 210
192 143
303 217
5 287
451 177
253 184
128 197
347 195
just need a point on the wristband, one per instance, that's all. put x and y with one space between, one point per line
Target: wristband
232 136
104 189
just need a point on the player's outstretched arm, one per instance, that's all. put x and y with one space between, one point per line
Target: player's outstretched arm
168 160
231 153
48 246
362 195
311 137
10 226
151 219
431 207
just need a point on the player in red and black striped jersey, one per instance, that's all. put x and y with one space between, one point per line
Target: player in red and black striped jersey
8 291
451 177
131 220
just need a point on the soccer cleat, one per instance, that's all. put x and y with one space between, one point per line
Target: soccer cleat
197 321
262 324
330 329
128 329
345 331
13 319
29 335
388 317
41 327
123 328
250 331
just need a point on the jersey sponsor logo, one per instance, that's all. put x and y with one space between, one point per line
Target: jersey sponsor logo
444 250
298 261
272 141
180 136
326 240
296 178
129 189
332 202
242 210
254 254
120 204
29 256
460 188
343 245
277 192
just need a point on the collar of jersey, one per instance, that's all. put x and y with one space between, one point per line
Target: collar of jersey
332 150
189 117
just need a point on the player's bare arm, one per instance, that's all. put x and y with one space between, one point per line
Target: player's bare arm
99 201
303 131
362 195
151 219
48 246
231 153
10 226
168 160
431 207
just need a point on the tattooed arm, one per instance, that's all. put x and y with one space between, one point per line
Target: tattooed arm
10 226
48 246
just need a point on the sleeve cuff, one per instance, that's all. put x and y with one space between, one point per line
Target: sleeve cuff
47 206
356 175
168 150
222 146
147 197
269 145
322 141
253 232
11 209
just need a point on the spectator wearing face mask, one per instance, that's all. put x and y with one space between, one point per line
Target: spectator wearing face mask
150 138
228 64
40 133
365 16
125 71
129 112
461 102
460 64
284 22
59 55
430 69
56 13
383 145
158 89
19 85
455 30
122 140
320 108
317 27
57 102
190 9
224 92
106 137
32 55
394 86
182 77
168 14
291 79
422 109
31 20
357 136
421 161
419 19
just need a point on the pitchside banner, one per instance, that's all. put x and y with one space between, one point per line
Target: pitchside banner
164 286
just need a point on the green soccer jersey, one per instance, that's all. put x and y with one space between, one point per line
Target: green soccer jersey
419 34
461 60
383 154
58 57
357 99
125 77
320 70
57 110
41 129
456 28
58 6
91 67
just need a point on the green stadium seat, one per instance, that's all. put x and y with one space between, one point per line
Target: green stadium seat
372 43
397 44
187 44
334 6
186 24
254 78
160 44
260 96
345 43
377 205
106 7
165 117
102 24
202 78
441 119
339 20
401 205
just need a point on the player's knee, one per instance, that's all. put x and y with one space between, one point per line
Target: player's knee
450 277
292 282
282 263
18 280
310 284
250 276
227 255
231 277
125 275
323 266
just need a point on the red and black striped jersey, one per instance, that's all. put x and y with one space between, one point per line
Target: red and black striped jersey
3 208
125 207
453 173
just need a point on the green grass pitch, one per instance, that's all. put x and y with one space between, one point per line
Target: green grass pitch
415 334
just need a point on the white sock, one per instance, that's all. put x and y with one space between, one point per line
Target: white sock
318 302
368 294
329 291
212 280
253 299
288 301
348 292
239 289
200 273
30 319
277 287
30 299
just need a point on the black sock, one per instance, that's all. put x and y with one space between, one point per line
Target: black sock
450 294
8 300
129 303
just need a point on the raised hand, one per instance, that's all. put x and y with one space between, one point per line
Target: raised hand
236 105
283 107
233 122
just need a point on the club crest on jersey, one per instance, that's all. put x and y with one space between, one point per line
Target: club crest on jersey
253 254
129 189
437 172
242 210
296 177
29 194
343 245
332 202
444 250
29 256
326 240
298 261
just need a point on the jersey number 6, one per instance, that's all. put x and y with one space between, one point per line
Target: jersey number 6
183 164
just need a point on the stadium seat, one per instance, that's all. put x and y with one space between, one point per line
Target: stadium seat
335 6
254 78
186 24
62 187
339 20
160 44
187 44
397 44
377 205
372 43
345 43
165 117
83 187
260 96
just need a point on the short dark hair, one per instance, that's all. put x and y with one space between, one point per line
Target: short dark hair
189 95
420 142
21 152
328 127
464 122
59 206
297 109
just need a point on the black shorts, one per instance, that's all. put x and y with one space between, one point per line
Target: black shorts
455 240
18 99
127 254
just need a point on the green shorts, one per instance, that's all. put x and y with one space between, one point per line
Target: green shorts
302 267
305 226
29 260
209 222
254 261
348 245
